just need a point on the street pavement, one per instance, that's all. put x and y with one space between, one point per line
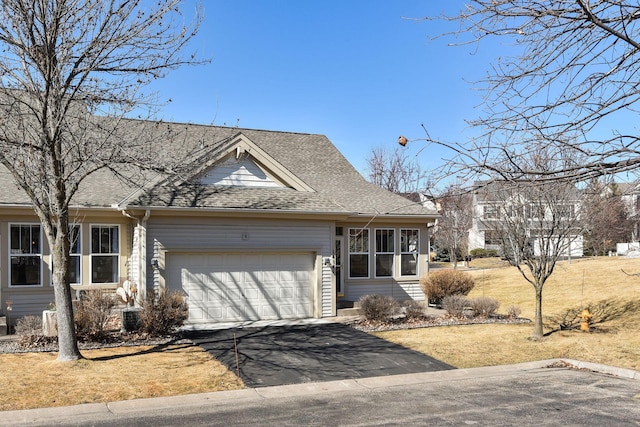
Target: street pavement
544 393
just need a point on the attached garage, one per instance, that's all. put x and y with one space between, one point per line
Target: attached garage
229 287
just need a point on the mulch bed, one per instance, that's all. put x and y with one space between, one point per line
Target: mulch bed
116 338
113 339
432 321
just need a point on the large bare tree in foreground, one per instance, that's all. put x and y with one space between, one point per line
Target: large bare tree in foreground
567 77
70 69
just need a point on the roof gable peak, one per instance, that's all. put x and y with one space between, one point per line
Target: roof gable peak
240 162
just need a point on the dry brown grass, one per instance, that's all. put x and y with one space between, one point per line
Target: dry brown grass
35 380
580 282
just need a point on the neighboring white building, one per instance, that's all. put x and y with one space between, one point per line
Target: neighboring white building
488 210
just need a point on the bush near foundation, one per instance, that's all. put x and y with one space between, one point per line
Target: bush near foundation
92 313
483 306
455 305
441 284
163 312
378 308
413 309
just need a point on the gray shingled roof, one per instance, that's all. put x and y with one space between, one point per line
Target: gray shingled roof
338 187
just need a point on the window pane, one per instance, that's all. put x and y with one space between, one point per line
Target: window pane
104 269
409 252
409 241
384 265
25 270
358 240
385 241
76 247
104 240
74 269
359 265
95 240
408 264
15 239
34 236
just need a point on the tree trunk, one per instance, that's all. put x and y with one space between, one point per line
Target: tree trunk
67 340
538 331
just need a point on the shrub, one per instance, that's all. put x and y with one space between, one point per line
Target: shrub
413 309
444 283
92 314
163 312
513 311
28 326
455 305
378 308
483 306
483 253
29 329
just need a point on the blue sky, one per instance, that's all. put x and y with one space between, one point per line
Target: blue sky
353 70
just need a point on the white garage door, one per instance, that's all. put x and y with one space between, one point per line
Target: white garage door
238 287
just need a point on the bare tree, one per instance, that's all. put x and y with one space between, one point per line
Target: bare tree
452 230
568 78
537 224
395 171
70 70
606 217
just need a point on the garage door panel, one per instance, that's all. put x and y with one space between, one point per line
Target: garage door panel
235 287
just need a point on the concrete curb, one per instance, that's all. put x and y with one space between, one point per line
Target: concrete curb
233 397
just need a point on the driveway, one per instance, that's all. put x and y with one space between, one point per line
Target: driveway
279 355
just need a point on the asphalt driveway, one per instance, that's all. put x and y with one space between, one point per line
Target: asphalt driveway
279 355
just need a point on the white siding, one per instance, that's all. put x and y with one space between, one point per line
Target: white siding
238 172
29 303
223 235
400 291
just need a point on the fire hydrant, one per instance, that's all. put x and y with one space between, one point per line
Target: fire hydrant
586 319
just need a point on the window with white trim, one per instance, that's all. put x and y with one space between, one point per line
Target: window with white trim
25 255
409 245
385 252
105 253
358 252
75 255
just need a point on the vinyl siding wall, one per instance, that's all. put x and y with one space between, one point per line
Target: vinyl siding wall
32 300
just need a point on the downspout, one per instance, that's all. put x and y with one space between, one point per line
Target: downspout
141 225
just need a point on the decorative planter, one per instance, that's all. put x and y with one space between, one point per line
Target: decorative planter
49 323
130 319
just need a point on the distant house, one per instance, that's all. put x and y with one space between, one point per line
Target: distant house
490 209
266 225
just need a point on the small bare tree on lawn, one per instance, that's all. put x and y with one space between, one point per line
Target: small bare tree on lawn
452 230
71 69
537 224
